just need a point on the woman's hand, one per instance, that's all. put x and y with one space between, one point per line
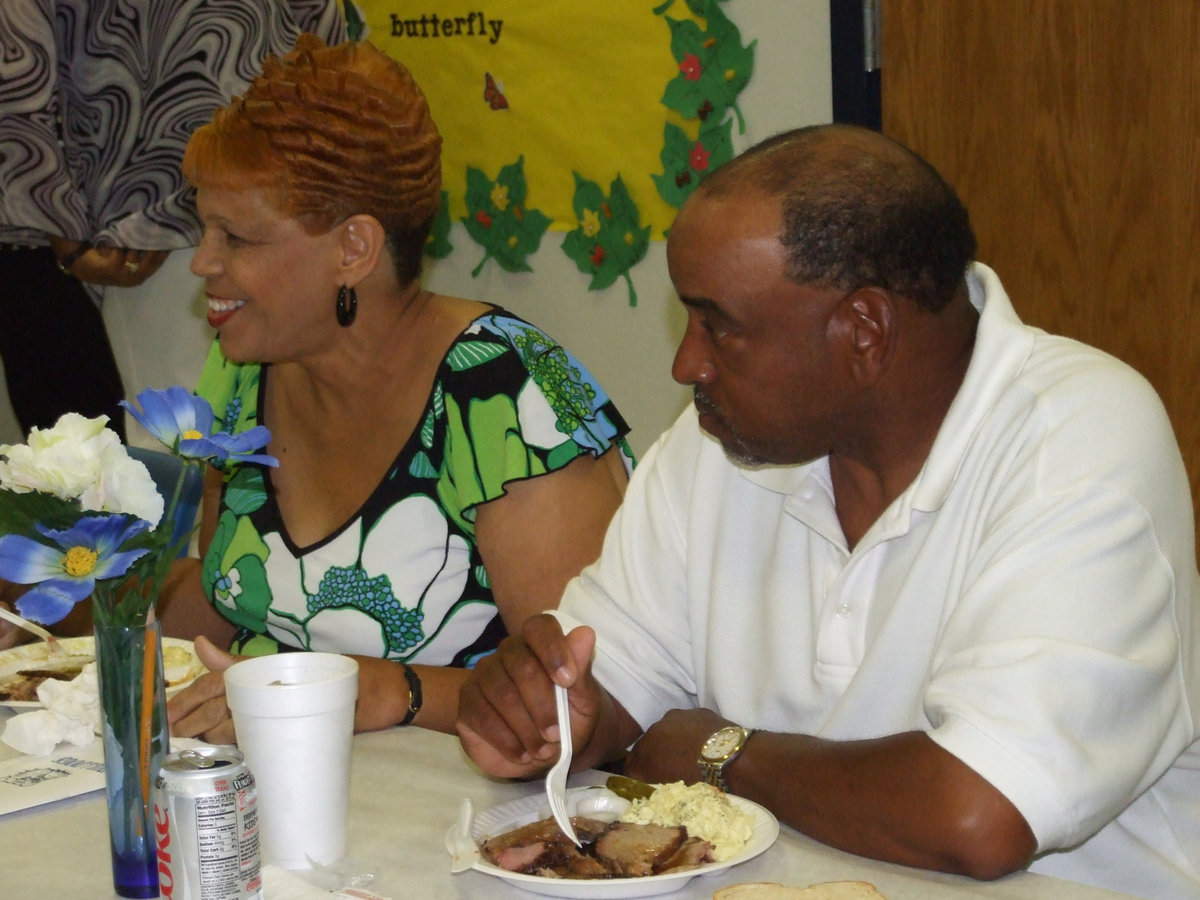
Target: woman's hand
200 711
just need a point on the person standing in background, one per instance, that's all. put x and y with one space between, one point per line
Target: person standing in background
97 101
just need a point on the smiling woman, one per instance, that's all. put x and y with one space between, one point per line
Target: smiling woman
445 467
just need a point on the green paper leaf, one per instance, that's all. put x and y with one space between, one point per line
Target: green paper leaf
717 140
714 67
678 180
498 220
682 157
609 240
698 7
527 231
512 177
686 38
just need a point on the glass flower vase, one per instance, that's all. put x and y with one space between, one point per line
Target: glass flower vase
133 711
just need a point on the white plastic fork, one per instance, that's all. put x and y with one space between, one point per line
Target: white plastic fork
53 650
556 778
459 843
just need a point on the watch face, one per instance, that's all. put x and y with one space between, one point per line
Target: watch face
723 742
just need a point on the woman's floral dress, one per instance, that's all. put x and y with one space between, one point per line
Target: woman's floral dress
403 579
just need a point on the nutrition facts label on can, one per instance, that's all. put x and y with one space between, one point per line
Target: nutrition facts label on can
206 826
218 837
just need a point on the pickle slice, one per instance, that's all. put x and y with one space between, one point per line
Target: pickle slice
629 788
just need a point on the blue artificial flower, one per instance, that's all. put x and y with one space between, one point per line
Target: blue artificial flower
86 552
184 423
241 446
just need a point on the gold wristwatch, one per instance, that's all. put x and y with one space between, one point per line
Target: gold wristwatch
722 748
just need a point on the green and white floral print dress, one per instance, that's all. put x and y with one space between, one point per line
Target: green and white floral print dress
403 579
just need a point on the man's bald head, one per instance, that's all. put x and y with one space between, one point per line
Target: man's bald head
858 210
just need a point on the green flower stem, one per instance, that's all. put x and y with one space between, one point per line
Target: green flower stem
169 519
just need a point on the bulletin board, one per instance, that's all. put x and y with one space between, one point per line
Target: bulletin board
581 124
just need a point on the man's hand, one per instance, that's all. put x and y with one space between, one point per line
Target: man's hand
670 749
118 266
112 266
200 710
506 712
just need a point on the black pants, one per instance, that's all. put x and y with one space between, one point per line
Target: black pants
56 352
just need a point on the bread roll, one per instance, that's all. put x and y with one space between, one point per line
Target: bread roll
827 890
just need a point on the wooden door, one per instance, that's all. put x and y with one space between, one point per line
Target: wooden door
1071 129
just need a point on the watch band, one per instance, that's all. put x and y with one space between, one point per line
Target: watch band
414 694
66 263
713 770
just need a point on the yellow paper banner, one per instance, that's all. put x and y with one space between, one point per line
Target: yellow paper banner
567 86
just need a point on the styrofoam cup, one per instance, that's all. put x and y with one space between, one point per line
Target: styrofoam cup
294 717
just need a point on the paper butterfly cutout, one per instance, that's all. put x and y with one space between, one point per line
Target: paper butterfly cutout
492 94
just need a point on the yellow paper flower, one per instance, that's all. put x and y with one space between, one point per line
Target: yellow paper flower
500 197
590 223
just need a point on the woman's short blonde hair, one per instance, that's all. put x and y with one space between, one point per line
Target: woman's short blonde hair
328 133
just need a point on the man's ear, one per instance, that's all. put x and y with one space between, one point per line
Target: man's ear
869 321
362 242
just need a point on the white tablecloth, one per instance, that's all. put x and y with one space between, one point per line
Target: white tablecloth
406 785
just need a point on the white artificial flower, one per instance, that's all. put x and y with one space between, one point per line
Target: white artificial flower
125 485
81 459
63 460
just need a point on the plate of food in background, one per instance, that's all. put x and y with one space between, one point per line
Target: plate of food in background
25 667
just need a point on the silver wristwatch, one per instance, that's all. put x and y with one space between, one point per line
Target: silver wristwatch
722 748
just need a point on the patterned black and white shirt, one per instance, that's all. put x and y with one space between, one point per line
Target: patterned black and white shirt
98 99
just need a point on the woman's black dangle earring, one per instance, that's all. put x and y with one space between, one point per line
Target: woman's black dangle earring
347 305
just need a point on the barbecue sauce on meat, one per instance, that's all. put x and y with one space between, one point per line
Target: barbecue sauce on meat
610 850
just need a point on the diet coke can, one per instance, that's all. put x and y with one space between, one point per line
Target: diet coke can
206 826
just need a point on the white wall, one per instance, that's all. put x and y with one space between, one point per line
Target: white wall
160 336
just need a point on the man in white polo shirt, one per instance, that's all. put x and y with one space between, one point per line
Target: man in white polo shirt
917 577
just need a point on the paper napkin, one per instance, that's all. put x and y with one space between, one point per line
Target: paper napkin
71 712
